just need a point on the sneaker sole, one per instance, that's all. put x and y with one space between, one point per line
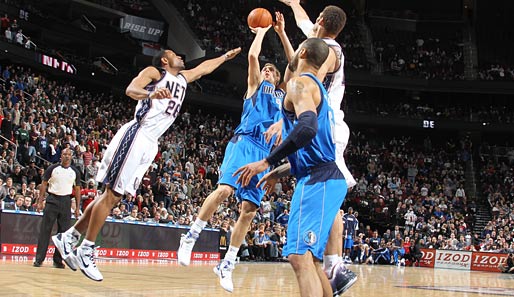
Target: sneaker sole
184 263
60 248
75 262
345 288
182 260
84 273
70 264
217 272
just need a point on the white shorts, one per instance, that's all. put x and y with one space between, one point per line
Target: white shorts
341 137
126 159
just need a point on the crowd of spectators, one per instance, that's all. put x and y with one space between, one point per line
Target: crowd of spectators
497 180
456 107
496 72
407 183
414 188
426 57
12 31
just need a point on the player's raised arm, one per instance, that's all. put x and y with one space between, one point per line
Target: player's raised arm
209 66
136 89
253 59
279 27
301 17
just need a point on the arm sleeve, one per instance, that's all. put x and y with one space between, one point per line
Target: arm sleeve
78 176
302 134
48 172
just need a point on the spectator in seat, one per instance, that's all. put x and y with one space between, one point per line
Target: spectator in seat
18 205
8 35
19 37
133 215
508 265
27 204
416 253
283 218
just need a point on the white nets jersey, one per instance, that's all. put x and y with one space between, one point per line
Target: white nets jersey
155 116
133 148
334 81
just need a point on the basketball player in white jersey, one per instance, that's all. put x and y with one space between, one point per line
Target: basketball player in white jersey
328 25
160 90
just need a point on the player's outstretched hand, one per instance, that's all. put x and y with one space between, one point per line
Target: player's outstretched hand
274 130
250 170
268 182
257 29
280 24
160 93
232 53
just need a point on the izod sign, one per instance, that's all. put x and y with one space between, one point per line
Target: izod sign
57 64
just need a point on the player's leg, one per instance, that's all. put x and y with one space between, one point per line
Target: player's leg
227 265
334 245
211 203
307 275
235 157
84 256
125 161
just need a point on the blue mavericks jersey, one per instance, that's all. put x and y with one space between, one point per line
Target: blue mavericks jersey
351 224
259 112
322 148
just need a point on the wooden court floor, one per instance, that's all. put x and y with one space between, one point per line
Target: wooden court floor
166 278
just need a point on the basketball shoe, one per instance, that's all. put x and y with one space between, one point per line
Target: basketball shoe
84 258
65 243
224 271
341 279
187 242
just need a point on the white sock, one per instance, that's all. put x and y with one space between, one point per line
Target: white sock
86 242
73 232
329 261
197 228
231 254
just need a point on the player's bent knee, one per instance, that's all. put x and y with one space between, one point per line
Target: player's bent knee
301 262
224 191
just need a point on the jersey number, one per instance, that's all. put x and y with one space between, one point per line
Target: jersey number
173 108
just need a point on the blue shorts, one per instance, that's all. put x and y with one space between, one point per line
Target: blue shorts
314 206
348 242
240 151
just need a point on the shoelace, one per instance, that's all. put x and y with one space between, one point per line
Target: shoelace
91 256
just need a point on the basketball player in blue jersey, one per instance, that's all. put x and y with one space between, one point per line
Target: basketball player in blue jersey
160 90
328 25
260 109
308 121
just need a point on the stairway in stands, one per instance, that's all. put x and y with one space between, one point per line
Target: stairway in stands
483 209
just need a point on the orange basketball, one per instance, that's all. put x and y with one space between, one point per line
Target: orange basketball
259 17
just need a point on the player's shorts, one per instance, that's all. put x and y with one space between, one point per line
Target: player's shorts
314 206
348 242
126 159
240 151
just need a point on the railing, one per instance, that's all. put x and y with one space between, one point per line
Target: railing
13 144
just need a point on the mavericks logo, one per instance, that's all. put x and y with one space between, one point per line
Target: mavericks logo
309 237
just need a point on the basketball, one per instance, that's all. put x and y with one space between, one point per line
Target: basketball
259 17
